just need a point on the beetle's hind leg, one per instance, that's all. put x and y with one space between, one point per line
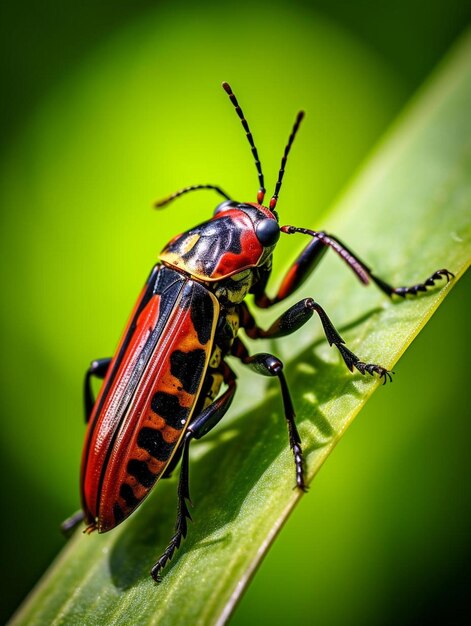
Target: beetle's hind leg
183 513
199 426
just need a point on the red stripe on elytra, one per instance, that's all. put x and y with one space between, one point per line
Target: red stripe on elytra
102 436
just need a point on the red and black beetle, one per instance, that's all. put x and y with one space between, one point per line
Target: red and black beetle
161 389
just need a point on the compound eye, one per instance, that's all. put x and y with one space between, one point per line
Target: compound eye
225 206
268 232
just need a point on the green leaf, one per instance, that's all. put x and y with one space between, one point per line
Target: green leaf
407 215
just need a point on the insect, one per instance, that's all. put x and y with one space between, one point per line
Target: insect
161 390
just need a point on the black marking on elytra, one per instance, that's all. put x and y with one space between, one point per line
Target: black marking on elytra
167 283
151 440
118 513
141 472
167 406
214 239
202 314
126 492
188 368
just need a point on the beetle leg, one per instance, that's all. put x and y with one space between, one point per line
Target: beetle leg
414 289
198 427
295 317
72 522
205 421
313 252
303 266
97 368
289 322
182 513
269 365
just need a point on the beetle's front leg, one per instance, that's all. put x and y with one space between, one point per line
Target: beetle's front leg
303 266
361 269
98 368
295 317
199 426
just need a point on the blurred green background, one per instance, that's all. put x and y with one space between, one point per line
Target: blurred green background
111 105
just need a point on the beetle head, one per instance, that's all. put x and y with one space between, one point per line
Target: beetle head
265 222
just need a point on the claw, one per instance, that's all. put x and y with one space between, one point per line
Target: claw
430 282
372 369
445 274
155 575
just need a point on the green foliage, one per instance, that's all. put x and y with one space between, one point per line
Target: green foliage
407 214
140 115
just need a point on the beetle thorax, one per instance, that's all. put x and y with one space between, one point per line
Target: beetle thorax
238 239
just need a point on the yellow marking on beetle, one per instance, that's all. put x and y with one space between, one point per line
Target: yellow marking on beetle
188 243
239 288
216 357
232 319
241 275
171 258
214 389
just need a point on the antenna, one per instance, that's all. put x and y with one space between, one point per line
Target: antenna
180 192
274 198
261 191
